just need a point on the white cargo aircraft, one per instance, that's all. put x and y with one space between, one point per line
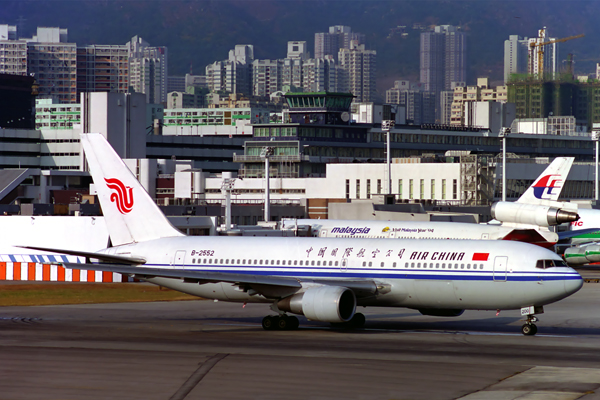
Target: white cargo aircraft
322 279
525 220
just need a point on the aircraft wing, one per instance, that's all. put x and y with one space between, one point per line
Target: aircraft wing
98 256
268 285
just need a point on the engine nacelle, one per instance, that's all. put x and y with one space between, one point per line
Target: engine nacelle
582 255
440 312
323 303
532 214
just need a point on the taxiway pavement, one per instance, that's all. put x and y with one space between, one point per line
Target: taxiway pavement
205 350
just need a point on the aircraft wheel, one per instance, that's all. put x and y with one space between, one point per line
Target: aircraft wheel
293 322
529 329
358 321
269 323
283 323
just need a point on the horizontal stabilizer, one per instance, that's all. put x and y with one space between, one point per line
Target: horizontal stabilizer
98 256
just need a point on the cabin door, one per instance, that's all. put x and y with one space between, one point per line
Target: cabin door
178 258
343 264
500 267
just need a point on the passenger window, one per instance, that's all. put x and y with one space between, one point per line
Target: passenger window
382 264
312 263
336 263
394 265
301 262
437 265
468 266
418 265
364 263
221 261
370 264
295 262
412 265
238 261
318 263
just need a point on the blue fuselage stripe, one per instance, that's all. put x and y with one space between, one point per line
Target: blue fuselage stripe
524 276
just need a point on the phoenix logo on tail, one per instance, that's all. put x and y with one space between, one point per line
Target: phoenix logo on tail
543 188
122 195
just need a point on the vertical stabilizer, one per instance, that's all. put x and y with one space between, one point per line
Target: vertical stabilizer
130 213
548 185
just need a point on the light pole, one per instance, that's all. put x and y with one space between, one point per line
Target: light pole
595 137
503 136
226 188
386 126
266 153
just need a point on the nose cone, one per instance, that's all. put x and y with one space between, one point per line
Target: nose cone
574 284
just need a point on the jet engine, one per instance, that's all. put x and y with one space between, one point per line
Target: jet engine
582 255
532 214
323 303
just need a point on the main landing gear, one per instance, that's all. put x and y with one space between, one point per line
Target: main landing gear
280 322
529 328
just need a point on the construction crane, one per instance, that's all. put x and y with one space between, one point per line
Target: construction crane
541 45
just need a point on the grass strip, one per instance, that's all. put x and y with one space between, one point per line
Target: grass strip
36 294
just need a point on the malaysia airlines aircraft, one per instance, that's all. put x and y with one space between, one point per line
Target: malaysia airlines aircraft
525 220
322 279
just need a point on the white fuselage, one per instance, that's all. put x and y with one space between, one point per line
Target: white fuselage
409 229
421 274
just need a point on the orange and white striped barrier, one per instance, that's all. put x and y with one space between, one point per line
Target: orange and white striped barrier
46 268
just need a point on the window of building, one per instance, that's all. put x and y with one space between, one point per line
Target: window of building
454 189
368 188
410 189
400 188
432 189
443 189
358 188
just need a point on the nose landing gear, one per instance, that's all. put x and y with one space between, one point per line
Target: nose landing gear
529 328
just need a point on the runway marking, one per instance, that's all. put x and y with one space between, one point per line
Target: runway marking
305 327
197 376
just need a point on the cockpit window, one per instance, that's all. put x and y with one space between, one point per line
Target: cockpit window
543 264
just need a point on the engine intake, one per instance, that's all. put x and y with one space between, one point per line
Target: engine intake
323 303
531 214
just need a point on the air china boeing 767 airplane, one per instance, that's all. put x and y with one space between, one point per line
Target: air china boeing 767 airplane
324 279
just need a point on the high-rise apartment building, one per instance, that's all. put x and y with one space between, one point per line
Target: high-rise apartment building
543 60
102 68
13 52
53 63
443 58
515 56
148 70
338 37
419 104
233 75
320 74
267 76
358 67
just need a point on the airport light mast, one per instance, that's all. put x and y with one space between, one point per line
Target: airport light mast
595 138
503 136
267 152
386 126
